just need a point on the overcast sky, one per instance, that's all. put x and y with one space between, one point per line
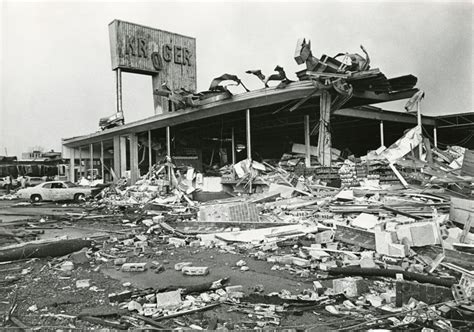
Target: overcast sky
56 77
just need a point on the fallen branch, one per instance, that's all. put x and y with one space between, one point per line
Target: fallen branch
149 321
187 312
105 322
200 288
367 272
43 249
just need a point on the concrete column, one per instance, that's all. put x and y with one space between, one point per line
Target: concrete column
117 164
123 155
324 139
134 170
72 165
435 136
80 163
247 129
91 160
382 141
307 142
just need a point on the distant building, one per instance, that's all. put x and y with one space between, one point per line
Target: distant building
7 159
40 156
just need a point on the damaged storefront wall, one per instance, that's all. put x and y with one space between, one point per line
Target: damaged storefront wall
265 220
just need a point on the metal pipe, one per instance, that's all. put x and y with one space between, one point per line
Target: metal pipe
249 145
118 79
168 151
382 140
233 147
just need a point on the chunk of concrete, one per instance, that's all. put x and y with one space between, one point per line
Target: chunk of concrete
179 266
195 270
168 299
177 242
351 287
365 221
383 239
418 234
397 250
324 237
83 283
423 234
430 294
133 267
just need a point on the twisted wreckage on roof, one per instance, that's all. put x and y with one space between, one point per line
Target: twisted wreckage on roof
326 115
326 110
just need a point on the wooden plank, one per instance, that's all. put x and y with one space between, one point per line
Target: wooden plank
466 229
468 163
461 210
399 176
358 237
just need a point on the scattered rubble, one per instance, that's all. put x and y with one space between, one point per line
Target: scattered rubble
383 240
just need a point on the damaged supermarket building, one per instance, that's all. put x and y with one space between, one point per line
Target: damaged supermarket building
312 124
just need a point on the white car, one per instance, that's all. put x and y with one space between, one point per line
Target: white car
55 191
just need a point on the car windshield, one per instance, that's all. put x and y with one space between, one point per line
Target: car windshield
70 184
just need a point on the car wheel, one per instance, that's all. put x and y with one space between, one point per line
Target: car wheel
36 198
79 197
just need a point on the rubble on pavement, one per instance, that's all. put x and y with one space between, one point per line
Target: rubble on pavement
382 255
383 241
